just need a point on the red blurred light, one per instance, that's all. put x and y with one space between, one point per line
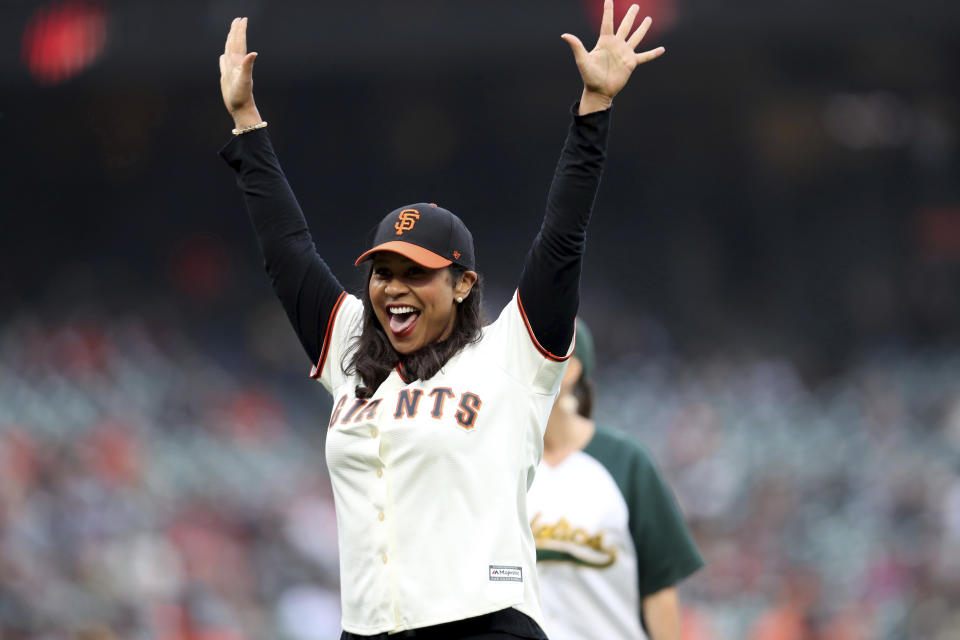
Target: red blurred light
63 39
938 233
200 267
663 12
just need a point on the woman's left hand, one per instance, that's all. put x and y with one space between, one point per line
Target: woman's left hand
606 69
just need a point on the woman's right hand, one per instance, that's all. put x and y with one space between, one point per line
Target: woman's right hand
236 76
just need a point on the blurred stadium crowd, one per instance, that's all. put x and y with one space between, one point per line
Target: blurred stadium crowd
149 491
146 493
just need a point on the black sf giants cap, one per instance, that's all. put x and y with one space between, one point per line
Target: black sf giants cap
429 235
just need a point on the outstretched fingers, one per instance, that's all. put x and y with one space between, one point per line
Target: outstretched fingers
606 24
641 31
627 23
647 56
242 36
237 38
228 45
579 51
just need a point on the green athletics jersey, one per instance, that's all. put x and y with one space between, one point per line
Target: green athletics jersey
608 533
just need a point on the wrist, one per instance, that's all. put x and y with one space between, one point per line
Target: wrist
246 117
591 102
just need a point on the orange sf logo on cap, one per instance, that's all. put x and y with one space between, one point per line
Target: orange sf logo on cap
406 220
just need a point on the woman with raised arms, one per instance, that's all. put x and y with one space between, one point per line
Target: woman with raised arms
437 425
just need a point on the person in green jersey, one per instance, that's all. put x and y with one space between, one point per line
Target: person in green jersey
611 542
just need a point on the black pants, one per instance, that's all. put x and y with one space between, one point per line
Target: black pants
507 624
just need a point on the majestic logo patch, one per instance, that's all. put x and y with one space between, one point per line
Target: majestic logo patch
500 573
406 220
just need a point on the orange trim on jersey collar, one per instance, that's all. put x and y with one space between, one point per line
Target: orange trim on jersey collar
418 254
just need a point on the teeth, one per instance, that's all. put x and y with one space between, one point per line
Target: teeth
399 310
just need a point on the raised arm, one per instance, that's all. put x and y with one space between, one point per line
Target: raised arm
549 288
304 283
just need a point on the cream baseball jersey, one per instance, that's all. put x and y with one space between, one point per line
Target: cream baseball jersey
608 533
430 477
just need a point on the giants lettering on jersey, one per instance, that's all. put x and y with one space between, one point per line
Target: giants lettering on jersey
465 413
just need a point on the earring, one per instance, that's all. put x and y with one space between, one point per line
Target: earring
459 298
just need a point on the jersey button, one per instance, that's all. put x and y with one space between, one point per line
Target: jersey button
374 432
379 472
381 516
384 558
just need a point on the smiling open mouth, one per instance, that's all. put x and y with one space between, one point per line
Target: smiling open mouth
402 319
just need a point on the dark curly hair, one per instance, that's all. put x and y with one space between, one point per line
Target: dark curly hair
373 357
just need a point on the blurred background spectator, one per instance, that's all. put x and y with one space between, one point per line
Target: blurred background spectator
773 280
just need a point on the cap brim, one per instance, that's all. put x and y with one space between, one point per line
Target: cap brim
416 253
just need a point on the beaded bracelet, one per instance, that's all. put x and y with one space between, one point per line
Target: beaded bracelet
259 125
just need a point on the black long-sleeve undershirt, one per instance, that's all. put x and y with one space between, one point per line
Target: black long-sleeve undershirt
549 287
550 281
301 279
